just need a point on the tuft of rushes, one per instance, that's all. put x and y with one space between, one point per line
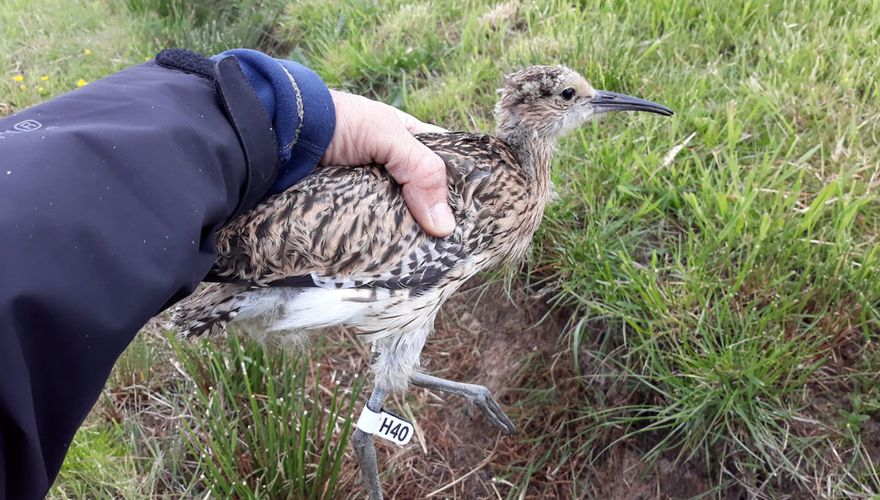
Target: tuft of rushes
259 427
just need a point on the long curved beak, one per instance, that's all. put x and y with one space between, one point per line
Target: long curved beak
605 101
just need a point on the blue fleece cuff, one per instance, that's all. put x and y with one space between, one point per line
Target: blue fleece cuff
300 107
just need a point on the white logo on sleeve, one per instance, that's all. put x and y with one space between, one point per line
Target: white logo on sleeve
27 126
22 127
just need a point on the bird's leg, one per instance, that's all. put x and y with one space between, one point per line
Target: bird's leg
478 395
366 452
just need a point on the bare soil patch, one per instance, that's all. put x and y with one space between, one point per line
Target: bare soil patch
517 347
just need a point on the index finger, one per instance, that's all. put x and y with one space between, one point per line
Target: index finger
416 126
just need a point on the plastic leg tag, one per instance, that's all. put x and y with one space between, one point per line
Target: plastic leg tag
386 425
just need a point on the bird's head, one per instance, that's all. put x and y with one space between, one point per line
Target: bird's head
545 102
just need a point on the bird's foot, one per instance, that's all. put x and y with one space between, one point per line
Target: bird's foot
483 399
478 395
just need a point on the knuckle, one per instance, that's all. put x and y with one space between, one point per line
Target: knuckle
434 177
483 394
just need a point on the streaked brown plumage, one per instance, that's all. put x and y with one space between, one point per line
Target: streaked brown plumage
351 253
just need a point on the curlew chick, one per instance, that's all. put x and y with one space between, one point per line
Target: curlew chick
341 248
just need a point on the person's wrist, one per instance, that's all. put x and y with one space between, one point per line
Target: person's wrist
299 107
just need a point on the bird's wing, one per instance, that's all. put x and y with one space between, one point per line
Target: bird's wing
349 227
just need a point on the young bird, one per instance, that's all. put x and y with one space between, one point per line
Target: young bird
341 248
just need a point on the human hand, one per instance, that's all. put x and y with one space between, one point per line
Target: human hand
368 131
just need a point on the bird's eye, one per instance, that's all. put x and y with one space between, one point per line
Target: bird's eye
567 94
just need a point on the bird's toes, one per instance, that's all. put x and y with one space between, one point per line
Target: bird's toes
483 400
505 425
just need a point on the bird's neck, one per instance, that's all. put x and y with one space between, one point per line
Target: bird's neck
535 154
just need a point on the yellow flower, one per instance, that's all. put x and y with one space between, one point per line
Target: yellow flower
18 78
40 89
22 87
45 78
87 52
81 82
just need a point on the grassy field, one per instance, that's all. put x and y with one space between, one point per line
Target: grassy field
701 312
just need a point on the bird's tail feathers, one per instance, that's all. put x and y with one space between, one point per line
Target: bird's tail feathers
209 310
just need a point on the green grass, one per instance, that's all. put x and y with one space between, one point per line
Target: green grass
208 26
99 464
47 51
730 291
260 428
232 420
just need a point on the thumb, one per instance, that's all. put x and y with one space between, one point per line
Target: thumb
423 176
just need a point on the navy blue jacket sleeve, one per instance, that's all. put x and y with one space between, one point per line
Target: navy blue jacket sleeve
109 199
